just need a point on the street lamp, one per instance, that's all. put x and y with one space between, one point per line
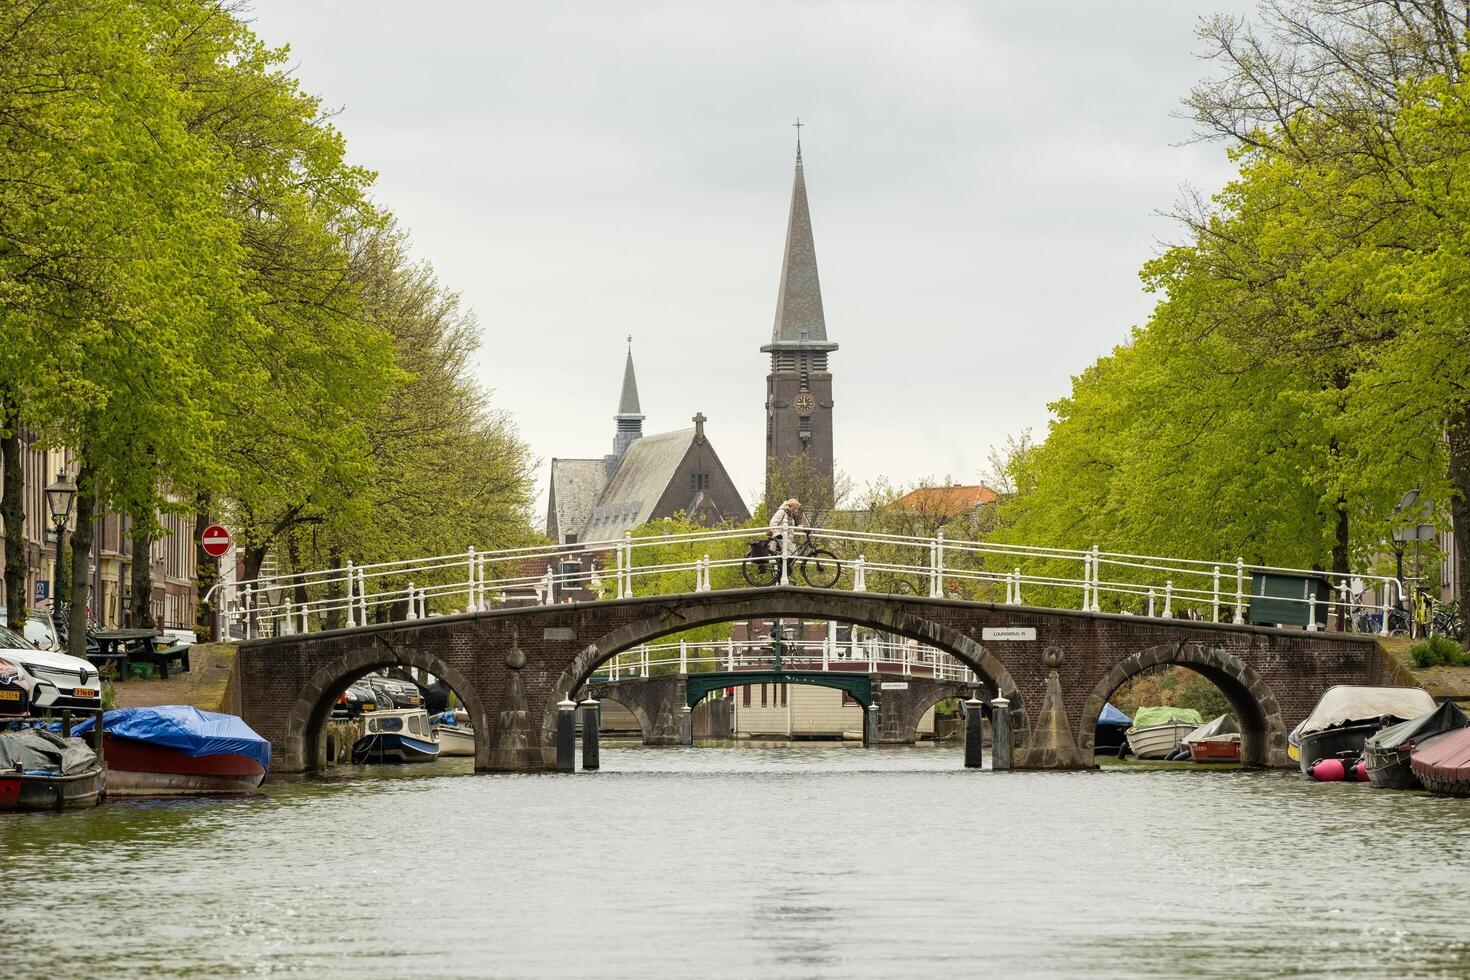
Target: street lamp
58 498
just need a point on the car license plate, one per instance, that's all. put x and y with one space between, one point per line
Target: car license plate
84 692
9 695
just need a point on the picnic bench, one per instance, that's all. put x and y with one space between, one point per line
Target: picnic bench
123 648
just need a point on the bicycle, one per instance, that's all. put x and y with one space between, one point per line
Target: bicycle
819 568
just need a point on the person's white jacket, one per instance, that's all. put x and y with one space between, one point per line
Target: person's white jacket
782 525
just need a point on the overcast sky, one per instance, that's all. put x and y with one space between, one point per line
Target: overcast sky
984 183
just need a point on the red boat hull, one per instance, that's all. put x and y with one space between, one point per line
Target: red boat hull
1214 751
142 769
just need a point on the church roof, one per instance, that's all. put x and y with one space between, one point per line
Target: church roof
576 484
628 402
641 479
799 316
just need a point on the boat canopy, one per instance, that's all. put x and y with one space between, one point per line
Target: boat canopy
1112 716
1447 757
38 751
1445 718
1223 725
191 731
1347 703
1164 714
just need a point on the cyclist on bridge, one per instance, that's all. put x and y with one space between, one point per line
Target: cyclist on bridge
783 525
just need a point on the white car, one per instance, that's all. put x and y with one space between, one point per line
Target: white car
39 629
34 680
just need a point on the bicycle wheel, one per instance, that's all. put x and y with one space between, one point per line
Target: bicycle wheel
820 569
761 573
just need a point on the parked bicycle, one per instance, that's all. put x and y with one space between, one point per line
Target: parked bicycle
818 568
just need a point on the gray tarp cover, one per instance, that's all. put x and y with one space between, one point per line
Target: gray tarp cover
1346 703
1223 725
42 751
1445 718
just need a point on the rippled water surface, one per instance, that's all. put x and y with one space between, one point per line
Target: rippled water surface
789 860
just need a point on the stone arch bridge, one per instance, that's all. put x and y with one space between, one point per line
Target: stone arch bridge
512 666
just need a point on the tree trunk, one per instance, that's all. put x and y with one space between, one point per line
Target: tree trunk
13 513
81 556
1458 431
206 570
141 534
334 616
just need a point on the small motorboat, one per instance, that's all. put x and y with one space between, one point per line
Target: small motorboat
1386 752
1347 714
1112 730
1157 731
396 735
1443 764
453 733
1216 741
41 770
179 750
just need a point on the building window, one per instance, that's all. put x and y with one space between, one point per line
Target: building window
848 699
783 695
745 696
763 695
698 481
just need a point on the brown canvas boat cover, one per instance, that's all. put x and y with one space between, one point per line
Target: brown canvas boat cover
1223 725
35 750
1447 757
1445 718
1347 703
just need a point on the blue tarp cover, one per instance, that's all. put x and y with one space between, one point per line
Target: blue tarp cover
176 726
1112 716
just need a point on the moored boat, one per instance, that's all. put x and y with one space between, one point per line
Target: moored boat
453 733
40 770
1112 730
1386 753
1443 764
1216 741
178 750
396 735
1347 714
1157 731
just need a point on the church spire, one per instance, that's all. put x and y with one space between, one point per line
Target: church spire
799 316
630 415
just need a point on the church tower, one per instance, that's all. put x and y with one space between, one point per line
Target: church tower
799 387
630 415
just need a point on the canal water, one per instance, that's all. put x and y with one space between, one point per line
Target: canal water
793 860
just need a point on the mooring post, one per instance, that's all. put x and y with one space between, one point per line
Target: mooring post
566 735
591 725
974 729
1000 734
870 726
686 725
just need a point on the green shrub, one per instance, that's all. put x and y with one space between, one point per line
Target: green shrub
1439 651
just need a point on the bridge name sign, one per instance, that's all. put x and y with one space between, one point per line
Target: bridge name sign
1009 633
894 686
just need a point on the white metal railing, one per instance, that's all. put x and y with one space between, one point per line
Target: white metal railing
872 653
703 561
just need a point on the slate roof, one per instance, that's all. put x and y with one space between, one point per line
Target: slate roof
799 316
641 479
576 485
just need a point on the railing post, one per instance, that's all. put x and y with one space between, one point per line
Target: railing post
908 658
305 618
1150 603
288 621
1168 599
1239 591
730 654
872 654
1096 579
852 643
362 596
1018 586
936 566
830 644
644 648
423 603
1312 626
1215 600
1086 581
413 602
618 568
1346 605
628 565
469 595
351 598
860 574
1008 589
683 656
1383 626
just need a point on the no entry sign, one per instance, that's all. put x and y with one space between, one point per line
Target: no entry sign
215 541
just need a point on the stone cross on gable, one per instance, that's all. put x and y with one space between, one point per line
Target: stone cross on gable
699 421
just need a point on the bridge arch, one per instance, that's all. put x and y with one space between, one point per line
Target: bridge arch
1262 731
854 608
307 717
919 706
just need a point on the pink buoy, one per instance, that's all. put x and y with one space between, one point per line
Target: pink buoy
1360 771
1327 770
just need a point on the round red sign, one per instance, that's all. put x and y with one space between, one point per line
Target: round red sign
215 541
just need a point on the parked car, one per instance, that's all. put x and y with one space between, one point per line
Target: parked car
33 680
396 694
39 629
358 698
